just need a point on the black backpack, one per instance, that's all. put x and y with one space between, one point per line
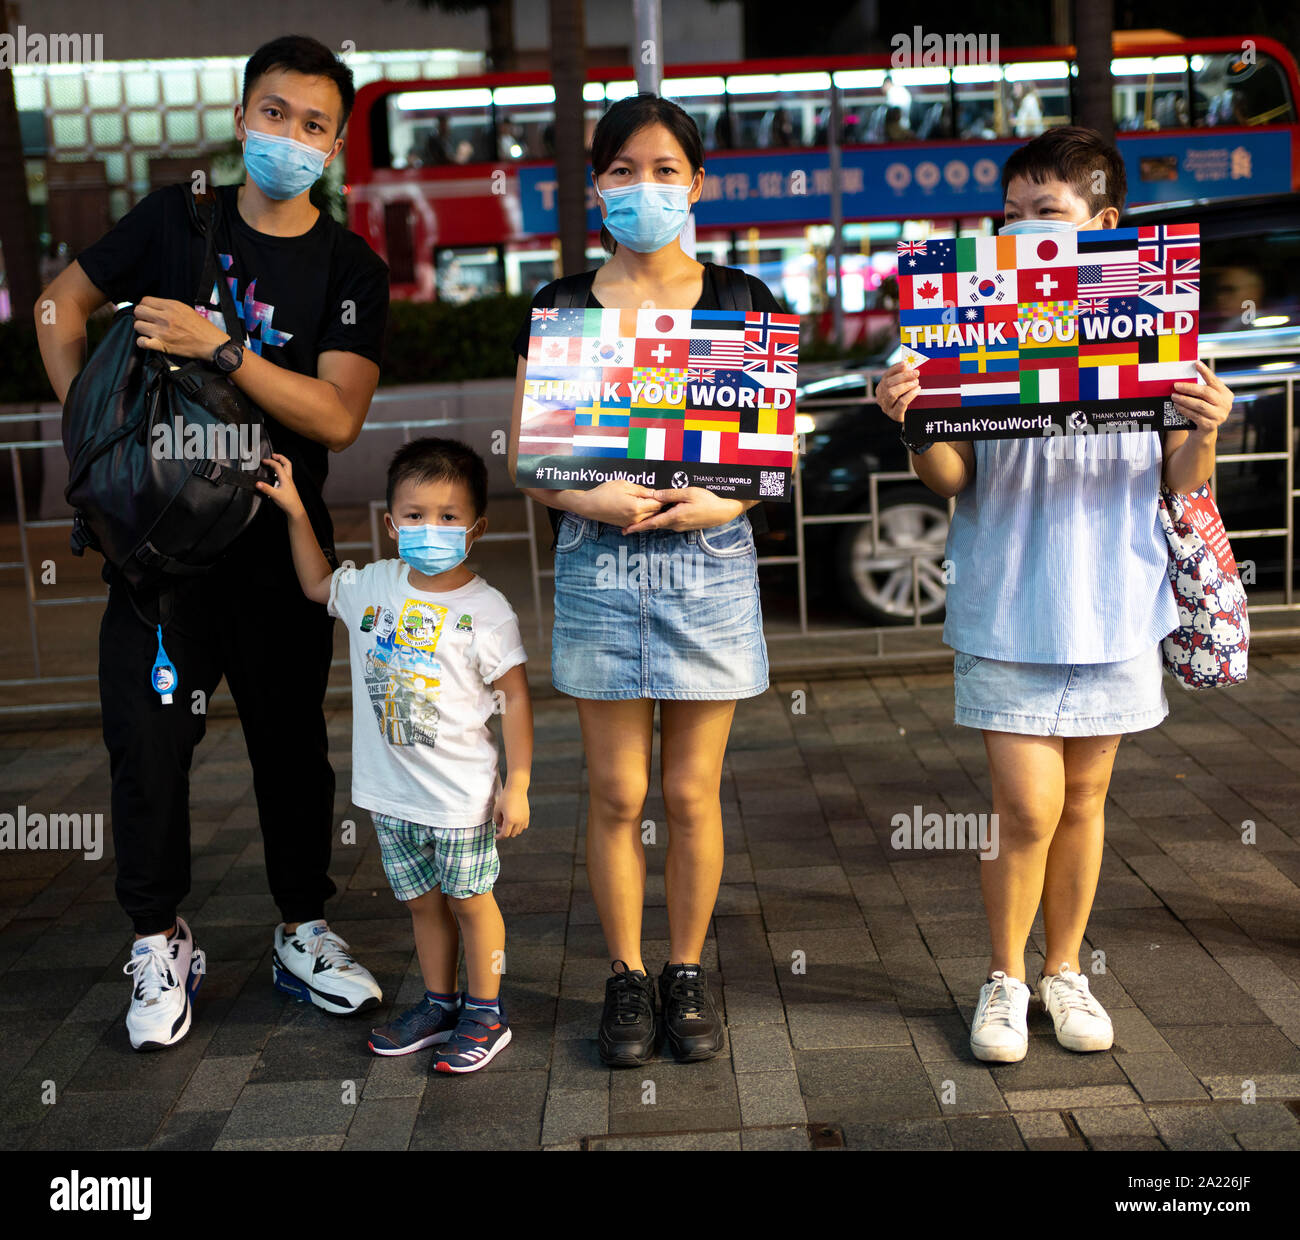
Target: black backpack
154 512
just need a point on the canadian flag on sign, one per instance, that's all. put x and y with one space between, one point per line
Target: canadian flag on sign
558 350
928 291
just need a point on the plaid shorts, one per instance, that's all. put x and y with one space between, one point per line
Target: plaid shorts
462 861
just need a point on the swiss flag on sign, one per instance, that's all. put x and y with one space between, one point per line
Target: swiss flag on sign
663 351
1048 283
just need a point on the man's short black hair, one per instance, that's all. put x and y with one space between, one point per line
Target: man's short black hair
1075 155
438 460
299 53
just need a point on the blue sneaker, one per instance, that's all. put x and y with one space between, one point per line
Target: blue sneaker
419 1026
480 1036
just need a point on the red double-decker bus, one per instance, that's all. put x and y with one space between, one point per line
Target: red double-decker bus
452 182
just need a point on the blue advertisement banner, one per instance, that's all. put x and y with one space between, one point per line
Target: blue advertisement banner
956 179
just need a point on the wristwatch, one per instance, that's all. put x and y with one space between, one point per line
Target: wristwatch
915 448
228 356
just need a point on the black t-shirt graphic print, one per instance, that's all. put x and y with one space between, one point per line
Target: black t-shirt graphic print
298 297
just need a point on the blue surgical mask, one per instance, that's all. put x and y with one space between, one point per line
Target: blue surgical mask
432 549
1041 226
280 167
646 216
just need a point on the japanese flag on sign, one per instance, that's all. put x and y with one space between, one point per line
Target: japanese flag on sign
1047 250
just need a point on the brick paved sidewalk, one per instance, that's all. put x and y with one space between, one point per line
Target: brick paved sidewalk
1201 935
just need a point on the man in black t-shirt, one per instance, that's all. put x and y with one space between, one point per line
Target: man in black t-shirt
313 300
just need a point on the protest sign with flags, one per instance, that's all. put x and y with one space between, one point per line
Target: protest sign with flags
701 393
1041 329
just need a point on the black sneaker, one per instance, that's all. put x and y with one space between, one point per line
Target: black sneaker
627 1024
690 1019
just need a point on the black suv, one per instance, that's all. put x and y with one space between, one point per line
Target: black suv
1250 324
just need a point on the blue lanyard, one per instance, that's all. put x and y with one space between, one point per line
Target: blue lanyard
163 676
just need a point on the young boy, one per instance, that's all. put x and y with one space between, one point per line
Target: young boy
433 649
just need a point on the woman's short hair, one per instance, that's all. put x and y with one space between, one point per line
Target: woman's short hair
1080 157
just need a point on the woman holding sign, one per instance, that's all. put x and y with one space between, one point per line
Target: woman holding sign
1059 602
682 628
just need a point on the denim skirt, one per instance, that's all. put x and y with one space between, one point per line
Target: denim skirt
663 614
1060 699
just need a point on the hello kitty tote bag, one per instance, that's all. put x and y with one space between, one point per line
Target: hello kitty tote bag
1208 648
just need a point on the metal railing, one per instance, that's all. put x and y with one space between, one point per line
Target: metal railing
1240 381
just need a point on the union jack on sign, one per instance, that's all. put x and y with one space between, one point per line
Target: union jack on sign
549 312
1094 305
1172 276
911 247
774 357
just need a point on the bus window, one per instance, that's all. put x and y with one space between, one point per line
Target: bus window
774 110
525 122
1150 92
978 92
702 99
431 127
1232 91
1036 98
890 105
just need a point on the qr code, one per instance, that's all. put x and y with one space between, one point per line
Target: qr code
771 482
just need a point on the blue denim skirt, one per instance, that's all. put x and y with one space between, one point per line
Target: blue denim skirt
664 614
1060 699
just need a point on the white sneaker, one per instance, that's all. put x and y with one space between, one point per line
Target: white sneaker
999 1031
167 974
314 964
1081 1022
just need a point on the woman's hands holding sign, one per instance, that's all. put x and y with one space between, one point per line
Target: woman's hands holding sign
635 509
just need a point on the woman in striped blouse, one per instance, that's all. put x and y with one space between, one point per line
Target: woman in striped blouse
1059 600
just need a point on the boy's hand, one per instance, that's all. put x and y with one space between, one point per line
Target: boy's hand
1205 405
896 389
284 493
510 813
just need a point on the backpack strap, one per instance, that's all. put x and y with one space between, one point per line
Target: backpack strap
204 211
733 288
572 293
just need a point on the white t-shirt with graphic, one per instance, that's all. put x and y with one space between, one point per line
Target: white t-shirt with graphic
422 669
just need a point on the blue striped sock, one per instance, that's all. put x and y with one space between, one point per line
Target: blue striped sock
448 1003
491 1005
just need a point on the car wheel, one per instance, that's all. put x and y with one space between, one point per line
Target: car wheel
877 584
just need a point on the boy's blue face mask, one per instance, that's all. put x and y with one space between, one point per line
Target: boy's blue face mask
433 549
646 216
280 167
